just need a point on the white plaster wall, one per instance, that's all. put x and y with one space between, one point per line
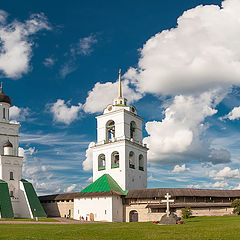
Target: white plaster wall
96 205
135 178
11 164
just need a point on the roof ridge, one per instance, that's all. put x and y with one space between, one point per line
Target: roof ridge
105 183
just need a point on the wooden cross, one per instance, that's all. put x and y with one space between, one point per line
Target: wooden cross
168 201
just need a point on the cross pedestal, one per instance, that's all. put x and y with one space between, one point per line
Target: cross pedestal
168 201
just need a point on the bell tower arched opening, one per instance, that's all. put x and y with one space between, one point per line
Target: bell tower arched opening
101 162
110 130
131 159
115 160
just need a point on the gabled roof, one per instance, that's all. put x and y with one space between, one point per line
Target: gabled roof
104 184
181 192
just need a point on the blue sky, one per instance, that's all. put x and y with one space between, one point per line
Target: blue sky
59 63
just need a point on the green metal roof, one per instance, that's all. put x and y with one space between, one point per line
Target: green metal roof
104 184
35 205
5 201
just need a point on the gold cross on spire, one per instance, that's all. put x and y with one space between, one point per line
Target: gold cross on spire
119 85
1 88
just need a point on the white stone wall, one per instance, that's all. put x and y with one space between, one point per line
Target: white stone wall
145 215
212 211
101 207
60 208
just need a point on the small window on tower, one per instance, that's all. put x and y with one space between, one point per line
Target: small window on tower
8 114
4 113
11 176
141 162
11 193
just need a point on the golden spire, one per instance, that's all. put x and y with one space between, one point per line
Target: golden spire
1 88
119 85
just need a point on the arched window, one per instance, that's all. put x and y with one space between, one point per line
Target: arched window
115 159
110 128
133 129
4 113
141 162
101 162
11 176
131 160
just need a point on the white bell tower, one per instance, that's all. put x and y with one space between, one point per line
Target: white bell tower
119 150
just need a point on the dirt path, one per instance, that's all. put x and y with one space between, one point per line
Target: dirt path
60 221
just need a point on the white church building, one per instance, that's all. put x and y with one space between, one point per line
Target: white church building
18 198
119 162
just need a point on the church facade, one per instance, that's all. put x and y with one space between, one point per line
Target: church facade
18 198
119 190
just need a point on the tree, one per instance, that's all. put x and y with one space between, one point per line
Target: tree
186 212
236 206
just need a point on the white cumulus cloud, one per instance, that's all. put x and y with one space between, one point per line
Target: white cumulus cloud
18 114
16 43
70 188
178 134
64 113
201 53
103 94
225 173
219 184
234 114
182 168
88 162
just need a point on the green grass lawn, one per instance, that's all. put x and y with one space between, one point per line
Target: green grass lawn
227 227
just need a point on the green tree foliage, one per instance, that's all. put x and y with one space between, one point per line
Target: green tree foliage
186 212
236 206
